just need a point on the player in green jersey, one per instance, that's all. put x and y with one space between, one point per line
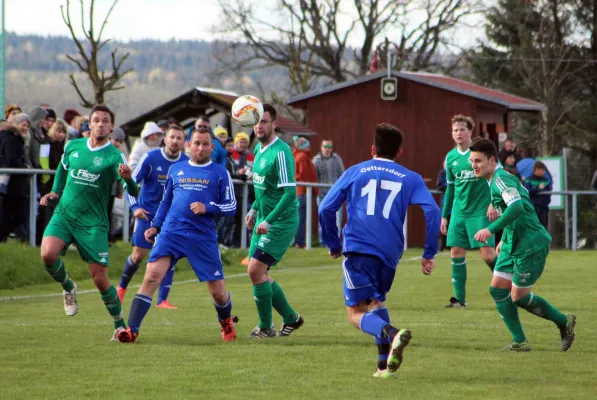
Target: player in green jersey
467 199
521 253
274 220
83 183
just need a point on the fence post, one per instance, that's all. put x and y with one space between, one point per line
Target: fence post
566 222
309 221
126 219
243 228
574 220
32 208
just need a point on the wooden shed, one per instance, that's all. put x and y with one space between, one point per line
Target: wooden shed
348 112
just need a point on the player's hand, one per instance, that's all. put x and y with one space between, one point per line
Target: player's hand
250 221
335 255
140 213
263 228
444 227
483 235
150 234
498 248
427 266
124 171
198 207
50 196
492 213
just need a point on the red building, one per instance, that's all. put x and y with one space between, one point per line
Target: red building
347 114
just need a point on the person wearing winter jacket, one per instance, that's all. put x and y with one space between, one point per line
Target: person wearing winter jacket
538 182
151 138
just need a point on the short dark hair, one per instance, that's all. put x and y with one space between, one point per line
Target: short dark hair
388 140
539 165
229 140
201 130
175 128
486 147
103 108
271 110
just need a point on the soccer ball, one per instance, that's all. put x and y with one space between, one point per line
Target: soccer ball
247 111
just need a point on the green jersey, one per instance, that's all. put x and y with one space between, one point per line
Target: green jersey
471 194
273 174
524 233
85 178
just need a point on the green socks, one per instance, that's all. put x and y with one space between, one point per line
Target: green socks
59 274
491 264
110 299
281 304
509 312
263 294
540 307
459 278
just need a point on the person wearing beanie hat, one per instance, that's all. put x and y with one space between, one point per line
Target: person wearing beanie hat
117 137
151 138
221 134
69 115
18 118
10 111
50 119
241 136
304 172
85 130
163 124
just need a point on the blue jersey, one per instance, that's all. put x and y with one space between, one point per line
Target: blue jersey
187 183
152 172
377 194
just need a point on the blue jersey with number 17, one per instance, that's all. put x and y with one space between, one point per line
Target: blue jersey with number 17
377 194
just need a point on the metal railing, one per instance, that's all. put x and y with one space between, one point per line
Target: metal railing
33 204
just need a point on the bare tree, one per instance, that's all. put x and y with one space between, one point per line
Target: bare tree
310 38
87 61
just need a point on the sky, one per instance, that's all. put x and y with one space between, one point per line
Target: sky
141 19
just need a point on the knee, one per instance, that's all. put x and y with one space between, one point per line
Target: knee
498 294
220 296
100 280
521 299
257 276
152 275
457 252
48 255
138 255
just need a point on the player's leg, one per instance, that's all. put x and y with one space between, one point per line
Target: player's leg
99 274
56 237
223 304
527 271
262 292
164 290
499 290
458 242
154 273
140 249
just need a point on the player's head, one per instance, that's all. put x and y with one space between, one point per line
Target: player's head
484 158
174 140
201 146
101 122
267 126
202 122
539 169
462 129
387 141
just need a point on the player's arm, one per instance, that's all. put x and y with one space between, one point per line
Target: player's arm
512 198
165 204
226 202
141 171
423 198
331 203
285 165
124 174
61 171
449 195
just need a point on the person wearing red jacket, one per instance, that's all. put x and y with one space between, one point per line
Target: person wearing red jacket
304 172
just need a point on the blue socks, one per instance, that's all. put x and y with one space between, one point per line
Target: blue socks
383 343
372 323
224 310
141 304
166 285
130 269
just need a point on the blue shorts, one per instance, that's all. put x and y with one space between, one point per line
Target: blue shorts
203 254
141 225
366 278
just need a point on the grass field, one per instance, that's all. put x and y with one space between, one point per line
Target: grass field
455 353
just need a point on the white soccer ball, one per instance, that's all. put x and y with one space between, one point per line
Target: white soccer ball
247 111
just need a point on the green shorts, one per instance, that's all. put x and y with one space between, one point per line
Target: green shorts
276 241
524 271
92 243
461 232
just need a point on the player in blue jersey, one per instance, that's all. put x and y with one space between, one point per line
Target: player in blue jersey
151 171
197 192
377 194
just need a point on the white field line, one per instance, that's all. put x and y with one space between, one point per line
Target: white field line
277 271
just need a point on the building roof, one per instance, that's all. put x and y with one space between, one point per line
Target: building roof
200 100
512 102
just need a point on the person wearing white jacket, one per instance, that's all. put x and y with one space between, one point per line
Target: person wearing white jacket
151 138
